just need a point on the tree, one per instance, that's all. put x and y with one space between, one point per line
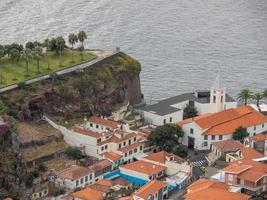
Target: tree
3 108
82 37
60 42
264 94
30 45
74 153
14 56
244 96
181 150
190 111
166 137
257 97
72 40
41 167
240 133
48 45
37 55
2 54
27 54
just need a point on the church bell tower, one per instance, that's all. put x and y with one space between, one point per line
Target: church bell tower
217 96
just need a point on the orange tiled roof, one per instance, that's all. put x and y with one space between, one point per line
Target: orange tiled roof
205 189
130 147
250 153
150 188
162 157
144 167
105 122
115 139
87 132
89 194
104 182
259 137
74 172
228 145
215 194
258 166
227 121
100 165
236 168
252 175
111 156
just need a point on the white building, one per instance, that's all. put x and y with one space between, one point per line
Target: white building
171 110
75 177
201 131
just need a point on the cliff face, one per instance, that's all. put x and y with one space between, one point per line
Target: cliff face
95 90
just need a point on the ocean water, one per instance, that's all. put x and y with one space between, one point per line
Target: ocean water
182 44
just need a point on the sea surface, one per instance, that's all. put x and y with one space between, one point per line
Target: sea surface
182 44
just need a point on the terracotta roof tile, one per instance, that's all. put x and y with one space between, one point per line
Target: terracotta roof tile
228 145
116 139
259 137
250 153
150 188
252 175
74 172
100 165
236 168
144 167
130 147
110 155
105 122
162 157
87 132
89 194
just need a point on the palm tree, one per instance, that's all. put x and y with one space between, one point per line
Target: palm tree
60 42
37 55
14 56
258 96
48 45
72 40
244 96
82 36
27 54
2 54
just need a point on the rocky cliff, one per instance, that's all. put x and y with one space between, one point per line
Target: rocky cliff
95 90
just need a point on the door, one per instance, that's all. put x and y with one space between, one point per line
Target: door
191 143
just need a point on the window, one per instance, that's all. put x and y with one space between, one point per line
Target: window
119 146
205 137
135 150
205 144
134 139
125 155
86 178
262 125
214 99
91 176
220 137
255 128
97 126
102 148
98 140
124 143
91 125
164 121
191 130
77 182
81 180
170 119
130 152
141 148
221 99
130 142
106 146
213 137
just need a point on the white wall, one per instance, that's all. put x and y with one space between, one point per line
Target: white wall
71 184
259 129
202 108
158 120
134 173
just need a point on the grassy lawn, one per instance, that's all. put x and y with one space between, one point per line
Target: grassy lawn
8 69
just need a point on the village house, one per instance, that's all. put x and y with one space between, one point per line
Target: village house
205 129
204 189
243 152
100 169
156 190
248 175
87 194
75 177
171 110
101 124
258 142
178 171
140 172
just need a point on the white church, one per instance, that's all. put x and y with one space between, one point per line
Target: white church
171 110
